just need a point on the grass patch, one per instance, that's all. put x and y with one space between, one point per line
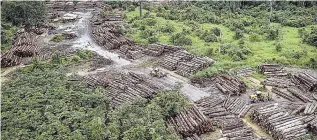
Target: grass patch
57 38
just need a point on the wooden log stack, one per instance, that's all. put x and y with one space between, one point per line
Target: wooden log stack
272 70
194 137
230 85
283 94
25 45
306 81
237 106
279 123
278 82
125 88
8 59
311 122
310 108
299 94
189 122
244 72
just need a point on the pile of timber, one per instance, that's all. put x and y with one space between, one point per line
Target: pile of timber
8 59
125 88
283 94
189 67
278 82
299 94
69 35
132 52
194 137
99 61
154 50
46 53
109 35
310 108
25 44
94 81
189 122
237 106
113 17
311 122
279 123
272 70
305 81
244 72
230 85
224 114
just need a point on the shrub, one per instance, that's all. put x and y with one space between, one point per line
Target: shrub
167 28
216 31
254 38
150 21
153 39
238 34
278 46
180 39
310 37
273 33
236 52
147 33
58 38
208 36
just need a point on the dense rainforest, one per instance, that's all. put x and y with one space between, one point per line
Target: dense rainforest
41 101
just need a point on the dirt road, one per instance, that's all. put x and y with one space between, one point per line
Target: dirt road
82 28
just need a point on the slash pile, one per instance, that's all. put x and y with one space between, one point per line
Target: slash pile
272 70
190 122
279 123
244 72
305 81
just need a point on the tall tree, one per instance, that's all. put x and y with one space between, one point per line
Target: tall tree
28 13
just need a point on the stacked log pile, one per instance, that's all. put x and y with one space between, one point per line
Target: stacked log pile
154 50
94 81
305 81
219 110
279 123
8 59
310 108
283 94
132 52
194 137
237 106
99 61
189 122
299 94
311 122
278 82
195 64
25 45
109 35
230 85
244 72
272 70
45 53
125 88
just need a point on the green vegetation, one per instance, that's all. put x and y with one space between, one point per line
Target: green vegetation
23 13
57 38
146 119
7 33
235 34
40 102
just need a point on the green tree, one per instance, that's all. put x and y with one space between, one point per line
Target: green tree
28 13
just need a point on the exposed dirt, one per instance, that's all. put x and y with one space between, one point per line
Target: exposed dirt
257 130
